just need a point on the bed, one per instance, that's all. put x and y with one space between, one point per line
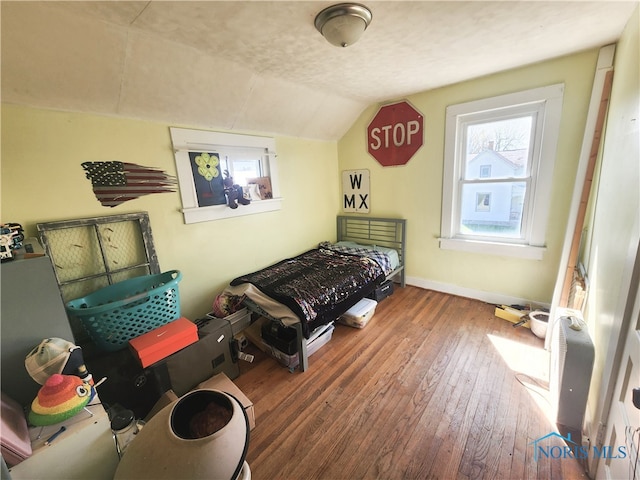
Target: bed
314 288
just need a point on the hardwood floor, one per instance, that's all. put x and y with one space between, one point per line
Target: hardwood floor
423 391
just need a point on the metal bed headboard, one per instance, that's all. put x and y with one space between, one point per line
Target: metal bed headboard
385 232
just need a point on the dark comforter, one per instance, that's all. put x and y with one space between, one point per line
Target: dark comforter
318 285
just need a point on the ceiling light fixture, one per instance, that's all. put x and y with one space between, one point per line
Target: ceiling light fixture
343 24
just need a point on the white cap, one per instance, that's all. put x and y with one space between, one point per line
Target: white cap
48 358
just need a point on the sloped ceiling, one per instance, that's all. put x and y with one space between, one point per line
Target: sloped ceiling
261 66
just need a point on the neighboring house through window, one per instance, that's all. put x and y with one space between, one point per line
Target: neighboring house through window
499 158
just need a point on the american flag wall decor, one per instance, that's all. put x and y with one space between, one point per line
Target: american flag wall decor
117 182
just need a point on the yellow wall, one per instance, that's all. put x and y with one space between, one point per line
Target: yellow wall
414 191
42 180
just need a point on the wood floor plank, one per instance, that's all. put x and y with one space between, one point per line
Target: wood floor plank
441 420
509 392
420 392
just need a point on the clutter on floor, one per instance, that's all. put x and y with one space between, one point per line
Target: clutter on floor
288 358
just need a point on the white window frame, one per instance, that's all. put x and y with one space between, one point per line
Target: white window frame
186 140
546 104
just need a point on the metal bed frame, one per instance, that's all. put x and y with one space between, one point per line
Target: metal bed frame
384 232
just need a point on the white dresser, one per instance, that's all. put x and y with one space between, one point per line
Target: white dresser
84 451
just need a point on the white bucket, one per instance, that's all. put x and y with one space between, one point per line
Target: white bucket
539 321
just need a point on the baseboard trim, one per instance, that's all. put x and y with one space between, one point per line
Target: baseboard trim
488 297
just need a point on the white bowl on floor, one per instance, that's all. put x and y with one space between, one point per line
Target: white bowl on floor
539 322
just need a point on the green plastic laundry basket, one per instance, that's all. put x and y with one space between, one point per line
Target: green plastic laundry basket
115 314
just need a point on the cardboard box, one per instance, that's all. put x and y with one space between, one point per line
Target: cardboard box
359 315
163 341
167 398
254 334
222 383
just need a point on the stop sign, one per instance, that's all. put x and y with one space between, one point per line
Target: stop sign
395 134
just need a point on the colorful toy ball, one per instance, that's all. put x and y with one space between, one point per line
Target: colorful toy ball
60 398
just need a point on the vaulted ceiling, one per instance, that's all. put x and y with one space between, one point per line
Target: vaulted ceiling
261 66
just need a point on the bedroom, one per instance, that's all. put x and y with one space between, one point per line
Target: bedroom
45 140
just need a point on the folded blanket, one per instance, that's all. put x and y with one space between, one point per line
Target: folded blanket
379 256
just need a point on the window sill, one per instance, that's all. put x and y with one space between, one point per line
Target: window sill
529 252
219 212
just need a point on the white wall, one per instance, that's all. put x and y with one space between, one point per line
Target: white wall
614 210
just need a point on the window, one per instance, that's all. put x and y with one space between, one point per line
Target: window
499 158
205 159
485 171
483 202
88 254
245 169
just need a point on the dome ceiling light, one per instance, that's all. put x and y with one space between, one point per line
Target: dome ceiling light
344 23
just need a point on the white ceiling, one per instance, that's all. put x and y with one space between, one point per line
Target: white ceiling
261 66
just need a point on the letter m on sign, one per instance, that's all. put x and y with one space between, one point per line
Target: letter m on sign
355 191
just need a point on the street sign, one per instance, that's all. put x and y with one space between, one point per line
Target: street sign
395 134
355 191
